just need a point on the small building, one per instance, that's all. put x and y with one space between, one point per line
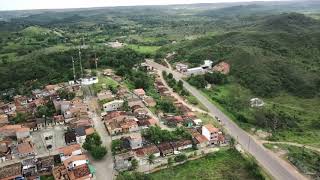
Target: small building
181 145
201 141
24 149
195 71
207 64
11 171
89 80
105 95
80 134
165 149
211 133
3 120
70 137
181 67
222 67
140 93
148 150
122 162
113 105
197 122
149 101
135 141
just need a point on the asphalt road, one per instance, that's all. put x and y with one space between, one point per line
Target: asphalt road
274 165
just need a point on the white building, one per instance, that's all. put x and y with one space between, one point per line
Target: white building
89 80
211 133
195 71
207 63
113 105
256 102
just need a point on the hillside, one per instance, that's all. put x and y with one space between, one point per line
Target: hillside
265 62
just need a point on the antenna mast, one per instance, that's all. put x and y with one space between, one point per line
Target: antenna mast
80 62
74 70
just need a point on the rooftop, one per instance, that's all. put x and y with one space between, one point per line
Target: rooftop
10 171
25 148
211 128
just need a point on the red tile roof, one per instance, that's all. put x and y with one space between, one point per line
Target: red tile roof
211 128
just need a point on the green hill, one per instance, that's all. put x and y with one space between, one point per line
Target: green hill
267 62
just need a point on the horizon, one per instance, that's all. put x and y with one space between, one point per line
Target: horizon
21 5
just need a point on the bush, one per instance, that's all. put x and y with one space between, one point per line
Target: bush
180 158
98 152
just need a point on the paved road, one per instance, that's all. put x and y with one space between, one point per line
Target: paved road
277 167
104 167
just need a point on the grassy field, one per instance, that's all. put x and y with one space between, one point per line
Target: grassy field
306 110
225 164
305 160
104 82
144 49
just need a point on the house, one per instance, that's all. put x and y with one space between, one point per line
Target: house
52 89
149 101
121 124
89 131
182 144
44 165
23 150
80 134
70 137
140 113
122 161
105 95
201 141
3 120
152 122
148 150
165 149
140 93
78 168
211 133
59 119
113 105
16 131
29 169
181 67
5 150
70 150
222 67
11 171
115 44
135 141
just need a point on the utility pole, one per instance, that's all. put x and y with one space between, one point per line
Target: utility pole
80 62
96 60
74 70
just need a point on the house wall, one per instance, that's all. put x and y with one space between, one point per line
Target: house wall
21 135
206 133
112 106
81 139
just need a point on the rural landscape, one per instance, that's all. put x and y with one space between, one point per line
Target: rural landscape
188 91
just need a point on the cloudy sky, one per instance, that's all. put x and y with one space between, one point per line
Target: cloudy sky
58 4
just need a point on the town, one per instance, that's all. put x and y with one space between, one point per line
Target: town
53 131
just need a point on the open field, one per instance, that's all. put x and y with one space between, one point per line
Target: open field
144 49
225 164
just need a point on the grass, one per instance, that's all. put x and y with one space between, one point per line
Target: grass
144 49
207 119
307 161
224 164
104 82
306 110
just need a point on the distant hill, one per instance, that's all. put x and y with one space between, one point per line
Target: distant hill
282 53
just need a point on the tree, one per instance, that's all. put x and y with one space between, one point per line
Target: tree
134 164
64 94
116 146
151 159
232 142
98 152
125 105
170 161
170 76
180 85
20 118
92 141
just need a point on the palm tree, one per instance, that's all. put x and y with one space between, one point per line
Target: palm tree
151 158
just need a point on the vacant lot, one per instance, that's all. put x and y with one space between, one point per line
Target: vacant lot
225 164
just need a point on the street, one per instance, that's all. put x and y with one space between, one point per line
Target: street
277 167
104 167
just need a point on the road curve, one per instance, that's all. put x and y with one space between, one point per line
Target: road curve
277 167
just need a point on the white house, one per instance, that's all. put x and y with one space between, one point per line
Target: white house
113 105
256 102
211 133
207 63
